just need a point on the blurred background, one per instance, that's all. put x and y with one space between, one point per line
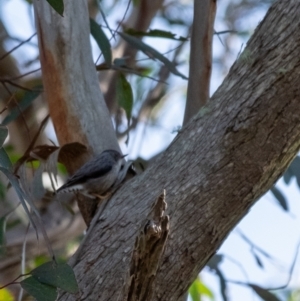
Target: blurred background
259 254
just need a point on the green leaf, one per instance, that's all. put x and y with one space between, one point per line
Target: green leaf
57 5
58 275
263 293
4 159
120 62
2 191
280 198
198 289
258 260
24 103
223 284
3 134
40 291
287 176
156 33
104 18
2 235
37 187
295 169
102 41
151 52
125 95
214 261
15 183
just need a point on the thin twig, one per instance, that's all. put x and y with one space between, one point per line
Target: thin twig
122 20
22 43
8 102
31 145
113 32
25 74
23 260
14 281
8 81
246 239
290 273
21 113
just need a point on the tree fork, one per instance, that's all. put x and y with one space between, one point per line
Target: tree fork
228 156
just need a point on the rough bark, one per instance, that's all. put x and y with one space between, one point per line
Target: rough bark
200 57
228 156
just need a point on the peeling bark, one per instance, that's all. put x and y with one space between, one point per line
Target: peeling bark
69 77
148 250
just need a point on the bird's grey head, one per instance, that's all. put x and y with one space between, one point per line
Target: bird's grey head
114 154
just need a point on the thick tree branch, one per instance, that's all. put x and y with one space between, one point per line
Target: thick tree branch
228 156
200 57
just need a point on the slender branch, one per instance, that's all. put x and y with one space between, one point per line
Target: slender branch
200 57
31 144
25 74
14 281
18 46
113 32
8 81
17 105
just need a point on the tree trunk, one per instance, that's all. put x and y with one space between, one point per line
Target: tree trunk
228 156
76 105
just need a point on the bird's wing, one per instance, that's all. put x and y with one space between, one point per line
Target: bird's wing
93 169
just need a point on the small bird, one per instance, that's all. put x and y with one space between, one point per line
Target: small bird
96 178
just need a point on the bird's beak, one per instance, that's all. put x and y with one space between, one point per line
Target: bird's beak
124 156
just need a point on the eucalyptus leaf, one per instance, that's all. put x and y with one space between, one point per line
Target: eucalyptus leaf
4 159
156 33
125 95
40 291
3 134
2 234
102 41
15 183
57 5
58 275
24 103
151 52
37 187
280 198
199 289
263 293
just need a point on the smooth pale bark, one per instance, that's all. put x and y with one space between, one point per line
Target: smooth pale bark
228 156
69 77
200 57
76 105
